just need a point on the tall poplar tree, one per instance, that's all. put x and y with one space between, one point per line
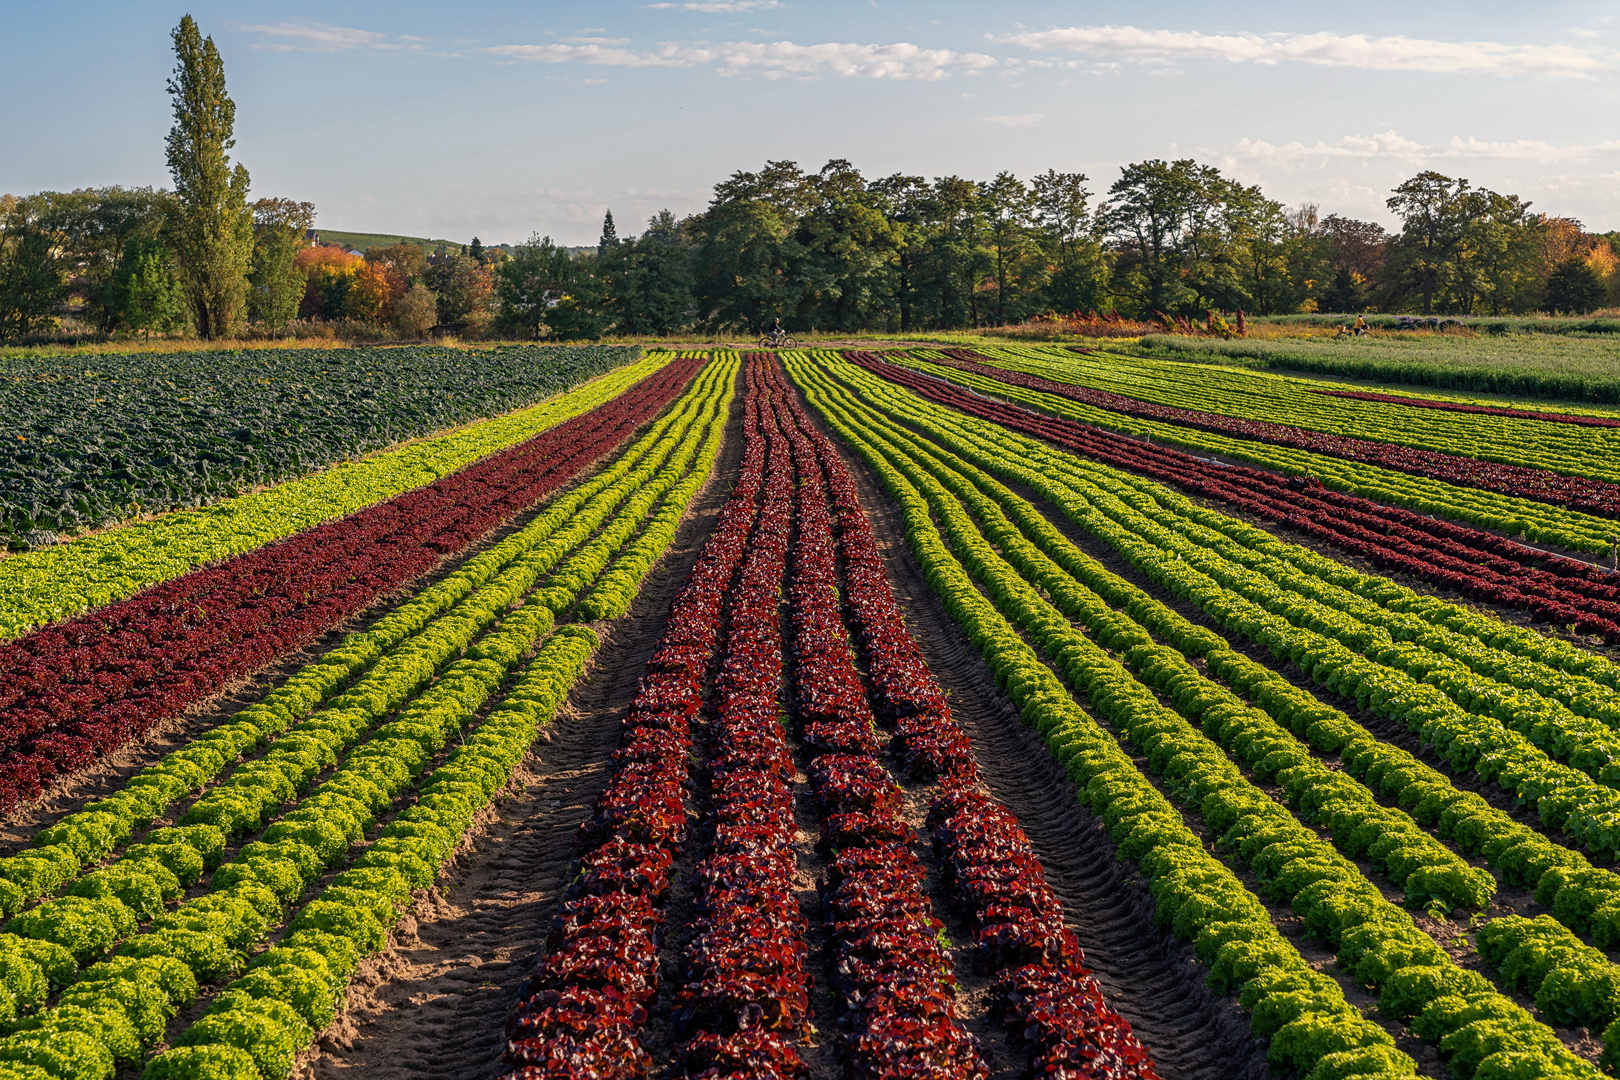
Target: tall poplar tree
211 230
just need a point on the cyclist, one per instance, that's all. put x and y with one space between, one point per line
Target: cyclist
776 331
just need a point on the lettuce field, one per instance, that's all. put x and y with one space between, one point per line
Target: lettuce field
554 713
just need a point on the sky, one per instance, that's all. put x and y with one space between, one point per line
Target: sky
504 120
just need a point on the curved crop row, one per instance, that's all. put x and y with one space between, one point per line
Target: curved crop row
59 582
1571 982
1389 839
742 1003
204 938
1481 564
897 982
256 1026
1307 1020
744 994
1517 851
1465 407
71 692
1525 518
1270 408
1151 527
399 653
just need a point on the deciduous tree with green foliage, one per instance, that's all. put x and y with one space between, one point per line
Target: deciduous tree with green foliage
1434 217
464 287
745 247
532 284
1180 230
905 201
275 284
148 292
956 259
1065 228
1010 239
649 279
33 274
1574 288
211 228
841 252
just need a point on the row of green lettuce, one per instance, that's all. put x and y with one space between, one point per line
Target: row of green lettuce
1494 697
372 672
64 580
1573 984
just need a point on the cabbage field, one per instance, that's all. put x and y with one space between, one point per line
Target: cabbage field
86 443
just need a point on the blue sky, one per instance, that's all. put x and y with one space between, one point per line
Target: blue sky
501 119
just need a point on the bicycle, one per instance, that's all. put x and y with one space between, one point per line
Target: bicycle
778 341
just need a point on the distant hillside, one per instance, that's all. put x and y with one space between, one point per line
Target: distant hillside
362 241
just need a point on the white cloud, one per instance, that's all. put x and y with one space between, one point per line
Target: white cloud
563 53
1333 50
719 7
1392 146
775 59
1016 119
321 37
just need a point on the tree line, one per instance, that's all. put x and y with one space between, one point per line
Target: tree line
832 250
829 250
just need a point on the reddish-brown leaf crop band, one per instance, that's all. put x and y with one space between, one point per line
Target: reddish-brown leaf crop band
897 983
744 996
1044 991
1479 564
78 689
743 1004
588 1000
1521 481
1463 407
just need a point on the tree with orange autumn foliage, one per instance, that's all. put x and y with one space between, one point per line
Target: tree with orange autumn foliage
329 273
376 285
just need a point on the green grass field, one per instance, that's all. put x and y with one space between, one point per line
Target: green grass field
363 241
1554 366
